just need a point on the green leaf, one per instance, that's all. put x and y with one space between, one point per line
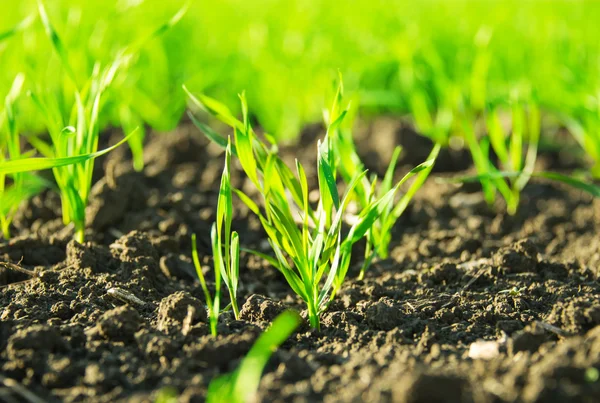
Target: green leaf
215 108
235 261
496 134
248 202
516 138
37 164
326 176
211 134
241 386
198 266
422 171
590 188
245 153
386 184
218 269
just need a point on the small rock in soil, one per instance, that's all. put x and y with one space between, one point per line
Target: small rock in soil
173 311
484 350
259 308
119 324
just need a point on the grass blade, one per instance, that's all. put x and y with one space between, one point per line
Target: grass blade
240 386
38 164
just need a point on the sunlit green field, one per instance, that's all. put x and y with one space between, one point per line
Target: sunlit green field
395 56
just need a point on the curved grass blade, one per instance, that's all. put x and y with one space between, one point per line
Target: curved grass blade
241 385
38 164
590 188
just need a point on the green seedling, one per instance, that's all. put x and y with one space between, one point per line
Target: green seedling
313 255
226 251
241 386
19 166
74 136
367 191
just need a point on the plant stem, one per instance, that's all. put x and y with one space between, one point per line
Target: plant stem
213 325
513 203
313 316
369 256
80 231
6 230
234 305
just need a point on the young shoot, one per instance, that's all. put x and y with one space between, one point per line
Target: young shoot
226 251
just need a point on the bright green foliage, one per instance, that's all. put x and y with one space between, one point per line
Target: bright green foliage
241 385
226 251
400 58
311 252
367 191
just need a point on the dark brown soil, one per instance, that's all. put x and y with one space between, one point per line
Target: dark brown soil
472 306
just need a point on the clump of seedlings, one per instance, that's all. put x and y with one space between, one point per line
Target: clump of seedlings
314 256
516 151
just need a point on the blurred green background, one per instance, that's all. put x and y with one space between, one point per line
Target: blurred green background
408 58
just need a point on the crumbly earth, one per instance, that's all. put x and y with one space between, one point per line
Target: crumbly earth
472 305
